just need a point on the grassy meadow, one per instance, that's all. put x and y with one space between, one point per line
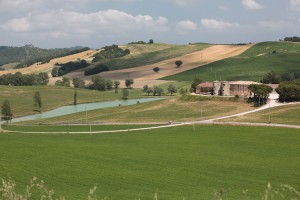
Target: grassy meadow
72 128
149 54
172 109
21 98
289 114
252 65
178 163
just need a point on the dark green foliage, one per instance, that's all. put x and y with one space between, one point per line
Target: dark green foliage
157 91
288 92
151 41
138 42
96 69
29 55
78 82
178 63
195 83
271 78
129 82
19 79
172 89
125 93
156 69
101 84
68 67
260 93
292 39
6 113
37 101
110 52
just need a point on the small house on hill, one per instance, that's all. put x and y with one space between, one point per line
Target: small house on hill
205 88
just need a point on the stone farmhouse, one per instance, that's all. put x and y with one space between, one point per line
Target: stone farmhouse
227 88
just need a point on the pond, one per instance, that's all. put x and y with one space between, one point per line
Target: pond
66 110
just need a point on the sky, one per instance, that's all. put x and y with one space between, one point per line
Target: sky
97 23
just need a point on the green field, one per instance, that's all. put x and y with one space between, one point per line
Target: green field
21 98
251 65
150 54
172 109
178 163
289 114
72 128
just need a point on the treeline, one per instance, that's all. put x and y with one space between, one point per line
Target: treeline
292 39
275 78
19 79
110 52
96 69
68 67
142 42
289 91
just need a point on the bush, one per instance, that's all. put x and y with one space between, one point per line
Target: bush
68 67
97 69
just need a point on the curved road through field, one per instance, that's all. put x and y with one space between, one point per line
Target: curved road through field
272 103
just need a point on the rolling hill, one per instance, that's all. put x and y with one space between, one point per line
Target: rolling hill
253 64
29 54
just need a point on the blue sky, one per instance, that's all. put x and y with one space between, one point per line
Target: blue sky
96 23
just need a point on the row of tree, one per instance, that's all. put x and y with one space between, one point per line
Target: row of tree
275 78
292 39
142 42
63 69
19 79
158 91
96 69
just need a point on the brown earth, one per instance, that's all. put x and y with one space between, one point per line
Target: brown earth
48 66
144 75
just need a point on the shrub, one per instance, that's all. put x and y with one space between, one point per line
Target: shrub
97 69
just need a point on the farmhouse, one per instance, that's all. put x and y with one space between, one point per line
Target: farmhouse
205 88
227 88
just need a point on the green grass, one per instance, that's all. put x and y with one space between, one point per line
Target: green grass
176 162
159 111
280 115
21 98
249 65
155 53
72 128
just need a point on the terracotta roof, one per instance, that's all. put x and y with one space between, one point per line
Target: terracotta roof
206 85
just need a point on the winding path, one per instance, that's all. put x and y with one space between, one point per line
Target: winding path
272 103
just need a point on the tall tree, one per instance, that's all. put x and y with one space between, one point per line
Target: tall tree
38 101
129 82
75 96
6 111
125 93
172 89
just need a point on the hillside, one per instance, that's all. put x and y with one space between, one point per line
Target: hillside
253 64
29 54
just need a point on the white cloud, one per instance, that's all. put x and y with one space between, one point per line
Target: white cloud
71 23
295 5
251 4
17 25
218 24
186 25
274 25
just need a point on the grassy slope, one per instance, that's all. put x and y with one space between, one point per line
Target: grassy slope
21 98
71 128
177 162
150 54
249 66
159 111
282 115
